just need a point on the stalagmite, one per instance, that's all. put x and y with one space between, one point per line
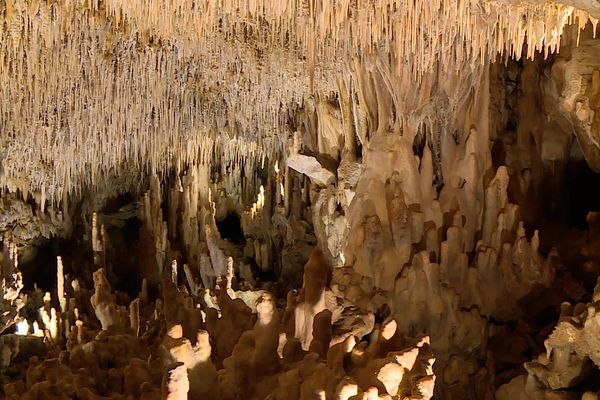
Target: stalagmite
312 297
284 199
176 386
60 284
104 302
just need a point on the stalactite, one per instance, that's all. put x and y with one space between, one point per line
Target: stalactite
362 126
71 131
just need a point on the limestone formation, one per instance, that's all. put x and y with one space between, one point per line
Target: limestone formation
308 199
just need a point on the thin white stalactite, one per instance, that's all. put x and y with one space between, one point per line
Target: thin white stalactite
91 88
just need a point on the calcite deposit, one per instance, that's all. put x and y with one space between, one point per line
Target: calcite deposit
276 199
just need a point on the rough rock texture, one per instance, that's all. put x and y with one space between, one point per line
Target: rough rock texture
571 352
297 199
576 84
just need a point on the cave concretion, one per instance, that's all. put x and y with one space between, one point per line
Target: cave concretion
244 199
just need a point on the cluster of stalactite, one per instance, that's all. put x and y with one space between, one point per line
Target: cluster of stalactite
92 88
418 168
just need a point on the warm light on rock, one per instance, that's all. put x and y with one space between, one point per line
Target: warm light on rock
293 200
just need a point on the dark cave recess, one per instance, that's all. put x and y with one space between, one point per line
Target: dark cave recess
230 228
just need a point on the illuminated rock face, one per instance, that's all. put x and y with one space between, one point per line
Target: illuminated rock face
395 174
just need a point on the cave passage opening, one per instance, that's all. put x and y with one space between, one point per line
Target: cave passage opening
230 228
